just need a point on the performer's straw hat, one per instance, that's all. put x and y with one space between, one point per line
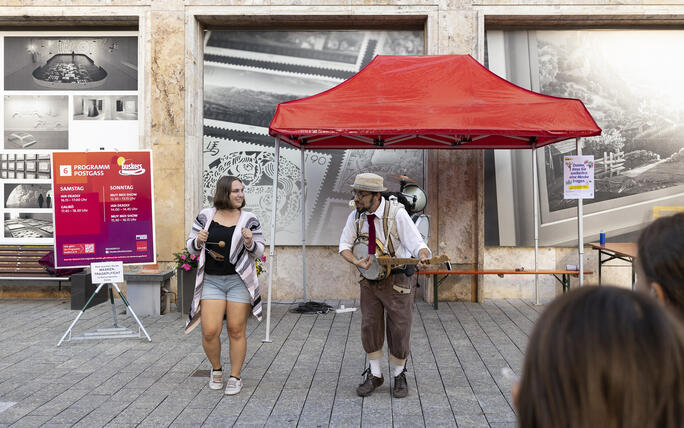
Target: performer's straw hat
369 182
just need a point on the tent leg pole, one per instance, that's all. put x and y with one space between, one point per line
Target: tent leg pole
580 226
303 224
535 198
274 205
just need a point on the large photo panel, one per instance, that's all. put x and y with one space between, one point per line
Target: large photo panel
71 63
630 81
246 75
61 91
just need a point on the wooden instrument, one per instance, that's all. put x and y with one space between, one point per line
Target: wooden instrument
381 265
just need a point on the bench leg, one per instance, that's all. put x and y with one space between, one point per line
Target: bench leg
600 263
435 287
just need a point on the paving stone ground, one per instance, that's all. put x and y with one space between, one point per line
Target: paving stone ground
306 377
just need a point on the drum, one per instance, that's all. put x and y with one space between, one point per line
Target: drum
415 196
360 250
422 222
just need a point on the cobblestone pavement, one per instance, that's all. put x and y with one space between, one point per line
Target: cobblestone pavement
306 377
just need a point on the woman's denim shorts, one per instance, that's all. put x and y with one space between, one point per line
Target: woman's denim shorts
225 287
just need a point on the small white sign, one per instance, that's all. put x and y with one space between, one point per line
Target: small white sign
106 272
578 177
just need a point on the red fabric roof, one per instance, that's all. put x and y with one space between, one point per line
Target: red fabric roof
429 102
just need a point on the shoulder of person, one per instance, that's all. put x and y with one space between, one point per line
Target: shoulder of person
206 211
204 214
248 214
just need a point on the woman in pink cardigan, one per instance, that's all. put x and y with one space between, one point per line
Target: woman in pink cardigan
228 239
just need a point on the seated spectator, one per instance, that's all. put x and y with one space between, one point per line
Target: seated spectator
660 262
603 357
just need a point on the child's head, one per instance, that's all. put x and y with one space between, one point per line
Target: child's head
661 260
603 357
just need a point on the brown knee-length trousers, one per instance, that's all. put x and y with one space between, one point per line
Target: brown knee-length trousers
393 295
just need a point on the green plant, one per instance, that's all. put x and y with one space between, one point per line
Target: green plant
260 265
184 260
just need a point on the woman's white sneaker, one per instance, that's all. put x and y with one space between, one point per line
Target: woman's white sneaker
215 379
233 386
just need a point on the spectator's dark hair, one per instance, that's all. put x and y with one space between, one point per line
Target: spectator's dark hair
661 257
603 357
222 195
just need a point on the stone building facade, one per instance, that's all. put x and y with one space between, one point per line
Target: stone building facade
171 42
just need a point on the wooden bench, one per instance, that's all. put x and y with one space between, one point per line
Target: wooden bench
20 263
562 275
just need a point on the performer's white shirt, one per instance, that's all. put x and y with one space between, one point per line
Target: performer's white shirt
411 241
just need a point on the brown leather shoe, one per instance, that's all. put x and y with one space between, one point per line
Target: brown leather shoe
400 389
368 386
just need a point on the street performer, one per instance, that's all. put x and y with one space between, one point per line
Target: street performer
393 294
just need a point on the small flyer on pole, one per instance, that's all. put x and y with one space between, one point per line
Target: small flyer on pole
578 177
103 208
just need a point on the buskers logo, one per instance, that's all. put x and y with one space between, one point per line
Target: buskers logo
129 168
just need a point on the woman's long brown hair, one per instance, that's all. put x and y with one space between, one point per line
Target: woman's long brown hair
603 357
222 195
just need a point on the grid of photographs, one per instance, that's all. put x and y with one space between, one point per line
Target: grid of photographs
59 93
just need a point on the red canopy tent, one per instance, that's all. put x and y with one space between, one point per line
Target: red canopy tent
429 102
426 102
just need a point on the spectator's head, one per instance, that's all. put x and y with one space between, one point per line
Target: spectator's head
229 193
661 260
603 357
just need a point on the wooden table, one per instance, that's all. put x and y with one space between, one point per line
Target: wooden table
626 251
564 277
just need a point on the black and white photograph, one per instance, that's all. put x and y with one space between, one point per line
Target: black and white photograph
248 73
28 225
28 195
105 107
34 122
630 81
71 63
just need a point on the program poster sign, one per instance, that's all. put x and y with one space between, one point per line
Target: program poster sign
578 177
103 208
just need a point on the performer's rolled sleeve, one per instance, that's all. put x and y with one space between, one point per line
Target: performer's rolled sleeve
348 233
409 234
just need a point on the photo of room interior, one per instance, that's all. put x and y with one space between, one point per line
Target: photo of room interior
36 122
28 225
100 107
71 63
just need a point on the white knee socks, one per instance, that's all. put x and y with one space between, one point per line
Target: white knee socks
375 368
397 370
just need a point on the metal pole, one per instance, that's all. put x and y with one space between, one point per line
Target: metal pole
128 308
301 149
111 299
580 226
535 197
274 205
68 332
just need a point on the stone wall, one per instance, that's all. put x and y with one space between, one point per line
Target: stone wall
171 45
